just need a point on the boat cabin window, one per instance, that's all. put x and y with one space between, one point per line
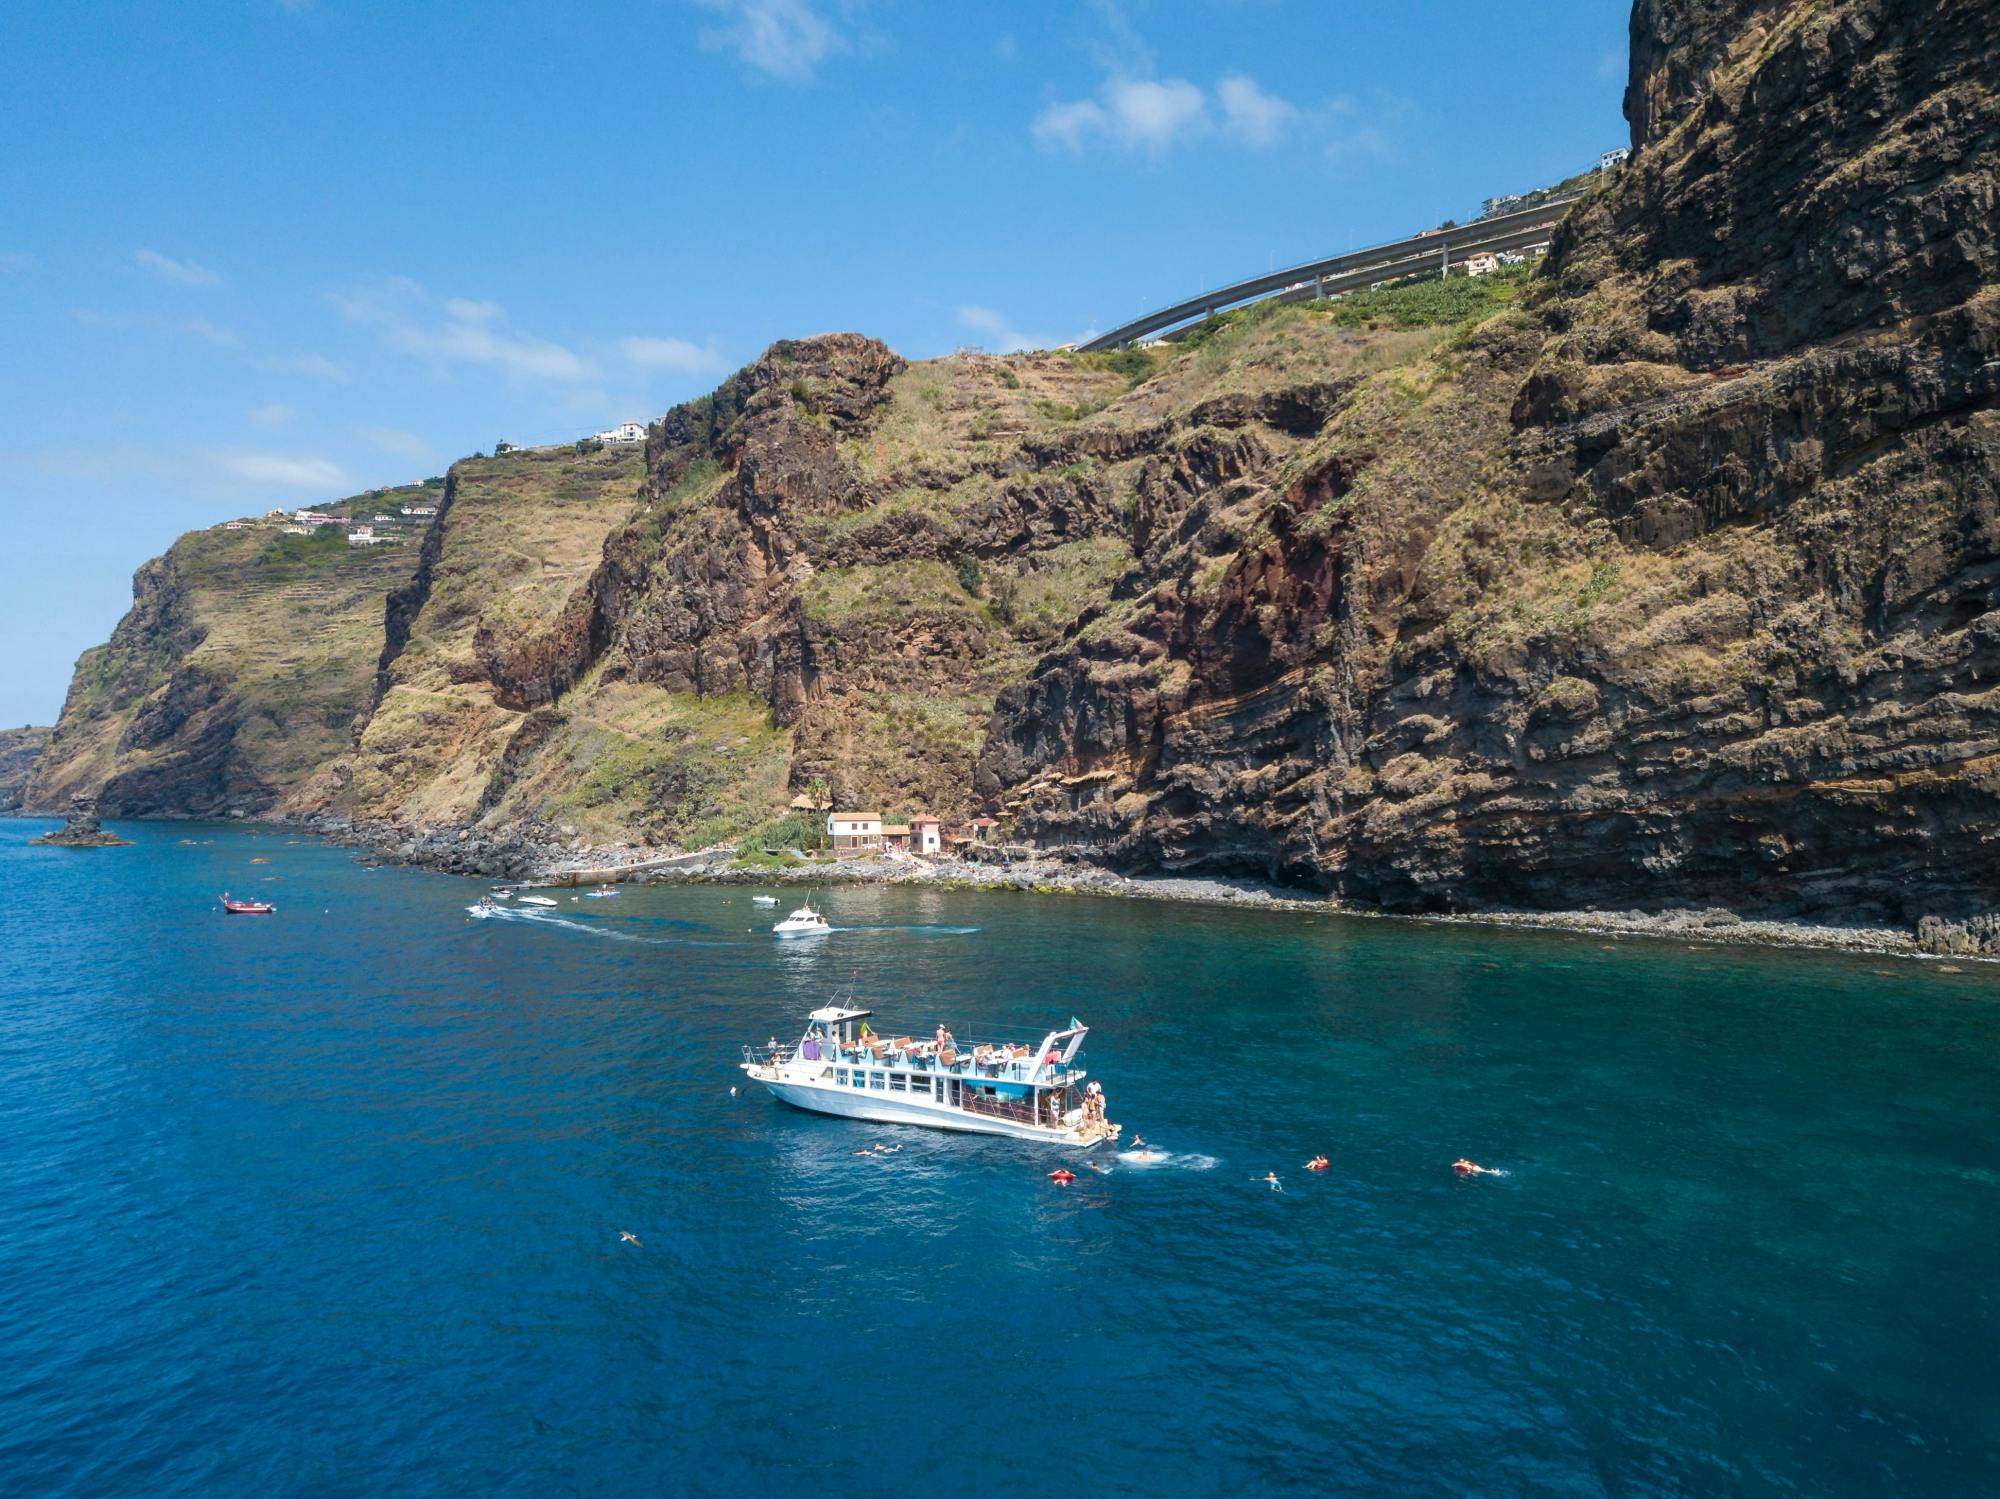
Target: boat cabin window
840 1076
898 1083
875 1081
937 1083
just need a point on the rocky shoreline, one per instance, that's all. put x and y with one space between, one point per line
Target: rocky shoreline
550 859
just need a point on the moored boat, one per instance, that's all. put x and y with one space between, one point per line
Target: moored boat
763 900
804 922
537 900
247 907
841 1066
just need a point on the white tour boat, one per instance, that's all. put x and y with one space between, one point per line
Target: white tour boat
804 922
840 1066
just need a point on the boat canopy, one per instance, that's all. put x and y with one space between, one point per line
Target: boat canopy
834 1014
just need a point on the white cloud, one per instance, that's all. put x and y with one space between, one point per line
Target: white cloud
785 38
1141 114
276 414
281 470
179 272
675 354
210 333
18 262
1251 116
999 335
402 444
304 363
408 319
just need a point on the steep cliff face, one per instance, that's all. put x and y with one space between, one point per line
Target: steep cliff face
1678 583
1673 578
240 669
19 750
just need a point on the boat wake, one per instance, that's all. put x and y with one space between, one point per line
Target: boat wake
589 929
1148 1159
922 928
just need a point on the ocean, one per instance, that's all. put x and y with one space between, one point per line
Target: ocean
331 1202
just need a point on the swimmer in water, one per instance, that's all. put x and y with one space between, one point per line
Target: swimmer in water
1099 1167
1272 1178
1472 1168
1318 1163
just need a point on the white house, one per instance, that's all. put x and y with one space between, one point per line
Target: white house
926 835
314 518
1481 263
624 432
420 510
364 536
1614 158
852 832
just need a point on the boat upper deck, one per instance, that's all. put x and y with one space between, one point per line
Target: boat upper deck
1047 1066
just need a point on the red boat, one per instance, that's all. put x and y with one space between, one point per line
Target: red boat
247 907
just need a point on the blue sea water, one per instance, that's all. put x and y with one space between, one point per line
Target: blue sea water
330 1202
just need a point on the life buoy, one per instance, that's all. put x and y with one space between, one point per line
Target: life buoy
1062 1178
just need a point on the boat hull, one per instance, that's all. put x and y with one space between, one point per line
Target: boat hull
876 1108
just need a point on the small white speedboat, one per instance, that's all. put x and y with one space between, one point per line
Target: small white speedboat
804 922
536 900
763 900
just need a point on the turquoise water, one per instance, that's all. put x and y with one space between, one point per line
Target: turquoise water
330 1202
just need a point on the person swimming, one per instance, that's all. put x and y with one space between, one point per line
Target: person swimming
1472 1168
1062 1178
1272 1178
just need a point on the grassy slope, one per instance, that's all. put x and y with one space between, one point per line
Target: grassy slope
522 534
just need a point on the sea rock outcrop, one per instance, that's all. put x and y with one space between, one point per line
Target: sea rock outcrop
81 828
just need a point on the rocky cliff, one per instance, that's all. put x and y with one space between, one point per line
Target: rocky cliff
19 750
1667 576
1675 583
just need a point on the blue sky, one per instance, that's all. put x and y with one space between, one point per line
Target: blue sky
259 252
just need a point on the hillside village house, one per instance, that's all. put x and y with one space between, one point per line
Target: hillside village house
624 432
854 832
364 536
1616 157
420 510
926 835
896 835
1482 263
314 518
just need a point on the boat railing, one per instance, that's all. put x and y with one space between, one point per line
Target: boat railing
1002 1108
767 1056
965 1065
